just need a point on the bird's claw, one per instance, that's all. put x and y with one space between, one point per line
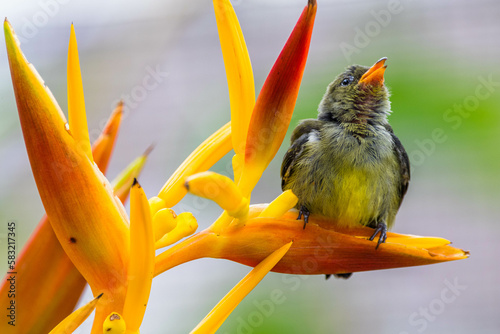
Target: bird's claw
382 229
303 212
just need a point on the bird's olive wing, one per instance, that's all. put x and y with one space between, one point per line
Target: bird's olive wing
404 166
299 138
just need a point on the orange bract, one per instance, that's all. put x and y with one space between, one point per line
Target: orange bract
320 248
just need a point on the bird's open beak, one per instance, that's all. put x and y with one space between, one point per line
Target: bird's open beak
375 75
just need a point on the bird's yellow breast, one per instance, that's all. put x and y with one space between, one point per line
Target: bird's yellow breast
355 195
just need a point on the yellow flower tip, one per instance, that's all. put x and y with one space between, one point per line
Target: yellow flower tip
186 225
149 149
164 221
156 204
114 324
282 204
76 102
223 309
238 71
31 92
221 190
123 181
142 258
416 241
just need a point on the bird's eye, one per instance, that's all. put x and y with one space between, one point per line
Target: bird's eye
346 81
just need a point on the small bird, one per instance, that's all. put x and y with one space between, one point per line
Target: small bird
348 164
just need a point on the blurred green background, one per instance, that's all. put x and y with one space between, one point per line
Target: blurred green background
444 76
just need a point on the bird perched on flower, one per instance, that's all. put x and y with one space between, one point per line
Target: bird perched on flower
348 164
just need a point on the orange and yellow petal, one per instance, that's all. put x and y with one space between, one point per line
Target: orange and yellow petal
320 248
164 221
52 288
64 177
238 71
274 107
277 208
223 309
76 103
220 189
75 319
185 225
141 264
122 182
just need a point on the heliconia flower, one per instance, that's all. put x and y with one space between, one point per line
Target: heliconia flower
117 258
321 248
76 195
52 288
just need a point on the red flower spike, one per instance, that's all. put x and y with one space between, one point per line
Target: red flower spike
274 107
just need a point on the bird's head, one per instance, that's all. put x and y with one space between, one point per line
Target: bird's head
357 96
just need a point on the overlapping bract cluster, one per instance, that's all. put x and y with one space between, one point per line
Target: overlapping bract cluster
115 255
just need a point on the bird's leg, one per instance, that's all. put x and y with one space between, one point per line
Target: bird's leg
382 229
303 211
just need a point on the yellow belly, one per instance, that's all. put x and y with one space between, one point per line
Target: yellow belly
355 197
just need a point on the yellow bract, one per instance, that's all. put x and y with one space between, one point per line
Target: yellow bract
227 304
277 208
123 181
76 103
221 190
185 226
75 194
238 71
142 254
164 221
72 321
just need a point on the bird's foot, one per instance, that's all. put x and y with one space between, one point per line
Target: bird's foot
303 212
382 229
343 276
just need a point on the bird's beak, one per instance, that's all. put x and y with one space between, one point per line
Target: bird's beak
374 75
